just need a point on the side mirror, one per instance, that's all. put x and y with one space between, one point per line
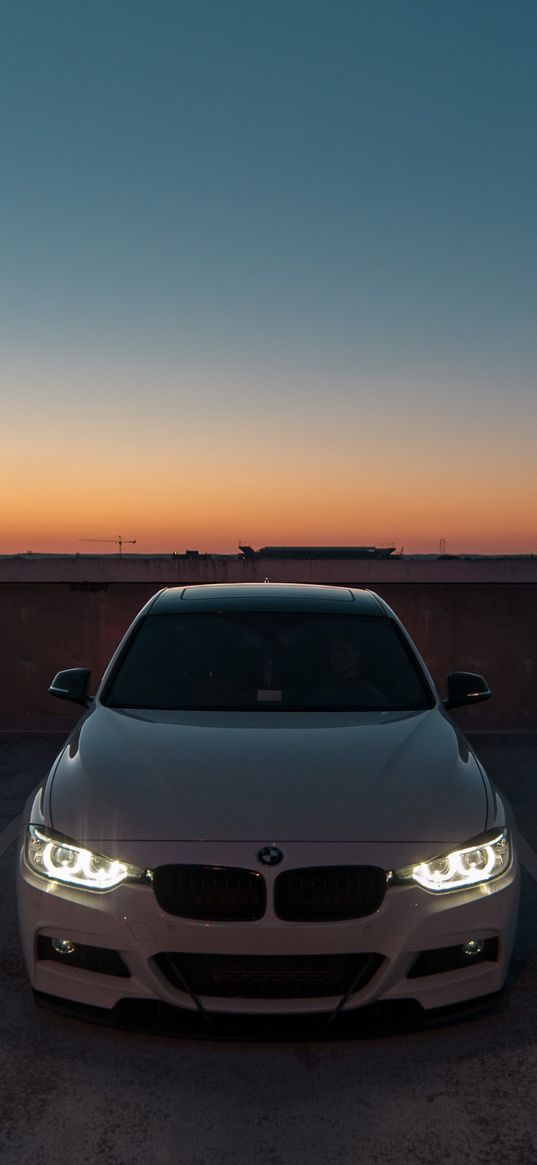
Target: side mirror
72 685
465 687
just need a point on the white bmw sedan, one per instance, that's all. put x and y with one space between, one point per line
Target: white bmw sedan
267 809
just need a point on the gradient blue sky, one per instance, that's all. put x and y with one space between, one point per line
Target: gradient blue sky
269 272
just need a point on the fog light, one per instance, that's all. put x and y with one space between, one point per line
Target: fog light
473 947
63 946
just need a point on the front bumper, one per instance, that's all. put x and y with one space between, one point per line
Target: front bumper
129 921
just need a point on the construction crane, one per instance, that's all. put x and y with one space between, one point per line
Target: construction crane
119 541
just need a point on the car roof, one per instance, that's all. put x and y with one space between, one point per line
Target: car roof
268 597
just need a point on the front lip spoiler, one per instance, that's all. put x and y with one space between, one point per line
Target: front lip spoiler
374 1021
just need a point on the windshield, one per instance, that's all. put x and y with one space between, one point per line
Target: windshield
267 661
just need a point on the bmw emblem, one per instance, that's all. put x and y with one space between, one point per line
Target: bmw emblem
270 855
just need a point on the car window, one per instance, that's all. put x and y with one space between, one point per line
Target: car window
267 661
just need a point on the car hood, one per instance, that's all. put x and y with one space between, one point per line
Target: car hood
269 776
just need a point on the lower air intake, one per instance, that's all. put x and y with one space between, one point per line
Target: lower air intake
267 976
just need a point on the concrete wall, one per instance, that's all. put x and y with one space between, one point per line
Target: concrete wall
478 615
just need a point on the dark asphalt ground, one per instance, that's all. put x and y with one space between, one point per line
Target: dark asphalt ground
465 1092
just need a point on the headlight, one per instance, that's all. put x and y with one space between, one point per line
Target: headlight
63 861
482 860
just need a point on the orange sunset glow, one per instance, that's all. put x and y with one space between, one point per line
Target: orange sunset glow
219 497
